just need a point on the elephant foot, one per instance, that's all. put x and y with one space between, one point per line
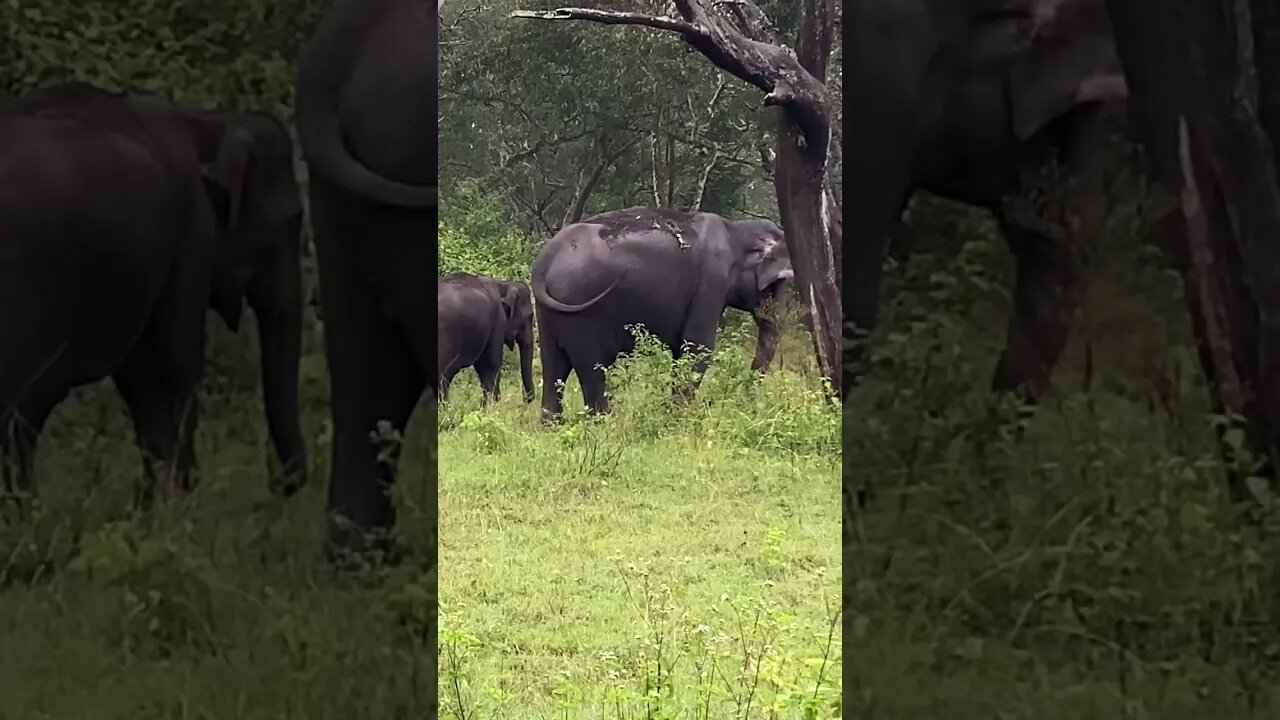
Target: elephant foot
352 550
683 396
289 482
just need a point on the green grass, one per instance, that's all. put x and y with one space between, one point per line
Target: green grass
689 552
219 604
660 561
1081 563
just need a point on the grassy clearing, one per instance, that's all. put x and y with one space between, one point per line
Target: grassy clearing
1083 563
658 562
217 606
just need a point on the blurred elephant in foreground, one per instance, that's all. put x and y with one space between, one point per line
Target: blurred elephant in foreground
475 318
672 272
965 98
122 222
366 115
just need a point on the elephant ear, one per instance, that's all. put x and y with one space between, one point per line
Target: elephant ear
510 298
770 260
281 199
1071 60
228 170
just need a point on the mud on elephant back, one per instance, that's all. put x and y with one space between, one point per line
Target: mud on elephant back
122 221
672 272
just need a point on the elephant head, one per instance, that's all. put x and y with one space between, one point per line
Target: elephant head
517 304
1070 58
762 278
248 168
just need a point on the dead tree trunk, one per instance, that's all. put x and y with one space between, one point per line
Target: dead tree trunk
1204 84
794 82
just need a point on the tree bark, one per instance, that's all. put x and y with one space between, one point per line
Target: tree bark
794 82
1205 101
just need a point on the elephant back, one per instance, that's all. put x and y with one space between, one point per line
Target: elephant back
616 225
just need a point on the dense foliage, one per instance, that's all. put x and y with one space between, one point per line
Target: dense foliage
560 120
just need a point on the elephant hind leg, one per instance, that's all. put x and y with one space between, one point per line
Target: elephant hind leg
594 391
555 371
443 383
19 434
374 401
488 368
165 413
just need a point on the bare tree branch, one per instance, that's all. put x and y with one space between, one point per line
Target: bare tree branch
610 17
771 68
540 144
702 183
607 158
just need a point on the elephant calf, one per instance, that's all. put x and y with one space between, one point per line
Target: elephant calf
476 317
672 272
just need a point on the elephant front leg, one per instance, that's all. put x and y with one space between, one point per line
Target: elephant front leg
698 337
1048 290
526 370
595 391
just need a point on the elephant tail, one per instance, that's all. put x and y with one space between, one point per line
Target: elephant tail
320 133
544 298
328 157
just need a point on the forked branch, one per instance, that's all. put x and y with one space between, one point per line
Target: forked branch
773 68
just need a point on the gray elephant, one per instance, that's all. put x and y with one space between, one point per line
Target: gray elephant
962 98
476 317
366 114
672 272
122 221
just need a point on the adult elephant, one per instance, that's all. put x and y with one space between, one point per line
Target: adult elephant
476 317
964 98
121 222
672 272
366 115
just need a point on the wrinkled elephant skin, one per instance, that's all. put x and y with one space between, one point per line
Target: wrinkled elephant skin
108 240
674 273
475 318
366 115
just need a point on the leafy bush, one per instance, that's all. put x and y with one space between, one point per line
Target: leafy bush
475 239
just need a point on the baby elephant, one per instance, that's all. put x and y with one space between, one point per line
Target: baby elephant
476 316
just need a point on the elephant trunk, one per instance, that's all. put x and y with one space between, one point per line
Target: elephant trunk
278 309
526 367
768 331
